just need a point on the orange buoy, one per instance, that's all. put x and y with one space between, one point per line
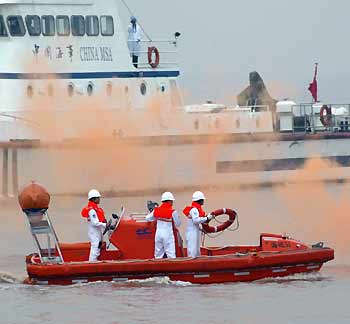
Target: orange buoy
216 229
34 196
153 50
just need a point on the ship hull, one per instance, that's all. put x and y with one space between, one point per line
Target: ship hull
203 270
141 165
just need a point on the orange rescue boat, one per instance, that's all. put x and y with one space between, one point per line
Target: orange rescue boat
129 255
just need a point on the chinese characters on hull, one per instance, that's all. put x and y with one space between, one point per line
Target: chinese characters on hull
87 53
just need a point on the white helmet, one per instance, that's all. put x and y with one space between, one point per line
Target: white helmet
94 194
168 196
198 195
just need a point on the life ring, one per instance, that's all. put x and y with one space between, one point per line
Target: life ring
153 50
326 116
216 229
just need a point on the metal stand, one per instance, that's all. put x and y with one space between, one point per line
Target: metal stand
40 225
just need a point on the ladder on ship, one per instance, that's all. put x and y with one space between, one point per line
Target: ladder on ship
44 236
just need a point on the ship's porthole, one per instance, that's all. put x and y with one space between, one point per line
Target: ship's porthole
109 89
30 91
196 124
90 89
50 90
238 123
257 123
162 88
143 88
70 90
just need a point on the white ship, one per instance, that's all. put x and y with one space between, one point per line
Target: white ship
66 77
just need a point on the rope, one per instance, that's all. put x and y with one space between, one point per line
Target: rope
219 234
132 14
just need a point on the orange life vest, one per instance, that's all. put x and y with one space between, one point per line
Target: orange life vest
164 212
99 211
187 210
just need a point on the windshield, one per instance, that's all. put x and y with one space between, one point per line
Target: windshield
3 31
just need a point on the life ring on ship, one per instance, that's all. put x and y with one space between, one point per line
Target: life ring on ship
326 116
216 229
153 50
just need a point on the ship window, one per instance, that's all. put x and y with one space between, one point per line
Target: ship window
48 25
78 25
33 25
16 25
3 31
143 88
90 89
92 26
62 25
175 94
107 26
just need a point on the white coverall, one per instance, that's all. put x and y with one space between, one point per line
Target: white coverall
134 39
95 232
193 233
164 240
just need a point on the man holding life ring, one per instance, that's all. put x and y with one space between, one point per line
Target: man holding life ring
196 215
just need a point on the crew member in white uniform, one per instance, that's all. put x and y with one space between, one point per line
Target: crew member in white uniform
196 216
96 223
134 40
165 216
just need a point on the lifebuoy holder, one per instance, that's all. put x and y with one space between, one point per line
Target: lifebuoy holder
216 229
326 116
153 63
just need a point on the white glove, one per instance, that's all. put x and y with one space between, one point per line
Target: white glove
210 217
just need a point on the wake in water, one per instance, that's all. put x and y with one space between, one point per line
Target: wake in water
150 282
9 278
159 281
299 277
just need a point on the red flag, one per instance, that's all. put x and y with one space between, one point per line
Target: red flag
313 86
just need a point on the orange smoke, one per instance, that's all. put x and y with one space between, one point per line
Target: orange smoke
318 210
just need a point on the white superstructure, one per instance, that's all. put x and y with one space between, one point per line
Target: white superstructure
63 60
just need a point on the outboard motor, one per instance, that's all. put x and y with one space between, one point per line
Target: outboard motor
34 201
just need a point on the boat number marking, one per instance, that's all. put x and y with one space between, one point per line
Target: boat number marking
280 244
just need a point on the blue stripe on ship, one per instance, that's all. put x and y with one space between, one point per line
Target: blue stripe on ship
90 75
277 164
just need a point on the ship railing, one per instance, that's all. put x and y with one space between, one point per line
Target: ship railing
307 118
168 54
252 109
17 119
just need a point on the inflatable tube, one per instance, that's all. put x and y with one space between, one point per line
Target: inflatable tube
151 50
326 116
216 229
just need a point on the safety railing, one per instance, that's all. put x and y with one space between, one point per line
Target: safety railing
15 119
252 109
315 118
158 54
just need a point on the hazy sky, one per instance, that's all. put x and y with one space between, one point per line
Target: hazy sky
223 40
